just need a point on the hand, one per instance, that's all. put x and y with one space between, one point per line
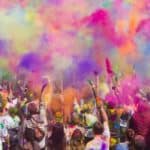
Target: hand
99 102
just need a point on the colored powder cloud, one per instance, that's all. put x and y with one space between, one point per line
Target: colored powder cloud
61 37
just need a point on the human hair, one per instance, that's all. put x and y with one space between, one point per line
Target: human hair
32 109
77 135
98 128
130 134
57 137
77 140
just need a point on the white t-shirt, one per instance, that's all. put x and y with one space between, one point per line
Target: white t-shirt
100 142
16 121
7 121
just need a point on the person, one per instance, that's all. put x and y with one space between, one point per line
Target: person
100 130
13 112
139 143
89 118
129 141
70 128
4 137
33 131
57 139
140 122
13 131
76 142
6 123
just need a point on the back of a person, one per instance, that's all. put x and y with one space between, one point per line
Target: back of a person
140 122
97 144
57 139
128 142
59 145
101 137
76 142
139 143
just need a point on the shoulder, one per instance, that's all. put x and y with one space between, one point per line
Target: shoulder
8 119
97 144
89 145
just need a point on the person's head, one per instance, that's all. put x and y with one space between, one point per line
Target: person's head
76 138
139 142
130 134
32 108
98 128
77 135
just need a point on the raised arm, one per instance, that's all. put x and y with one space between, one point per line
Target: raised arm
103 119
100 107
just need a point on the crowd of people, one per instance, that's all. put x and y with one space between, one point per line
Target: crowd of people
27 124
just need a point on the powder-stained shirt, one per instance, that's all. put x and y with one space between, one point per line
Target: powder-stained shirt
100 142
